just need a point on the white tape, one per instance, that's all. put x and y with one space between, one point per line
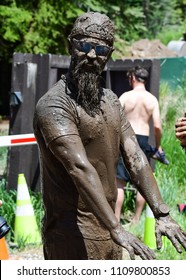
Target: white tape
149 212
25 210
22 192
17 140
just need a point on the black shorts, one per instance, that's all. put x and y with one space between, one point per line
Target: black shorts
121 172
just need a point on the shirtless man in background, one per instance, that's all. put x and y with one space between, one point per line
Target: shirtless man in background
140 106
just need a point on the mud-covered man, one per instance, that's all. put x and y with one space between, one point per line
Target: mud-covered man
80 129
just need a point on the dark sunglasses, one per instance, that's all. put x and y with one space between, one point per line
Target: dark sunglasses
86 47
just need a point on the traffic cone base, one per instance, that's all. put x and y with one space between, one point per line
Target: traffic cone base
28 234
3 249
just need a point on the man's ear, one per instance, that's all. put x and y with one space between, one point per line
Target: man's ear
133 78
69 47
110 54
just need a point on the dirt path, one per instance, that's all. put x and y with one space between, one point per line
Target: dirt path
29 253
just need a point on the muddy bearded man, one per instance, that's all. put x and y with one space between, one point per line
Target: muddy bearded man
80 129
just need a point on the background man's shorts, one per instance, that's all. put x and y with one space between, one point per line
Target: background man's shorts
121 171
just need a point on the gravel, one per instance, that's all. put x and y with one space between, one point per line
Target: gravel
29 253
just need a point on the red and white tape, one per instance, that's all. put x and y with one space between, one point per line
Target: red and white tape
17 140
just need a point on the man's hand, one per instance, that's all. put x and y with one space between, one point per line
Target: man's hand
131 243
166 226
180 130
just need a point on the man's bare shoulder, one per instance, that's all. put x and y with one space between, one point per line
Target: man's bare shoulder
141 93
152 98
125 94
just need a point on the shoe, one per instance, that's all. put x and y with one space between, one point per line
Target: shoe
160 157
181 208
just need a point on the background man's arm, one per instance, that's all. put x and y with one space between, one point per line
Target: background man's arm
157 125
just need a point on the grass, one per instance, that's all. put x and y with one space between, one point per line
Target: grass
171 179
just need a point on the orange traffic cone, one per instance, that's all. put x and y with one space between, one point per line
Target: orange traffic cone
26 228
3 249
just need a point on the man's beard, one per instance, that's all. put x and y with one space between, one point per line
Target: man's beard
88 85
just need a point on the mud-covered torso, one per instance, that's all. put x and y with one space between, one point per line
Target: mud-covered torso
58 114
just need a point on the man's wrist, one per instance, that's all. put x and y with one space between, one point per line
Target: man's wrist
162 210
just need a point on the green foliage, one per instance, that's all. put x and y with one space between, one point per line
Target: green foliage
41 26
159 15
49 30
121 48
130 23
171 179
168 34
172 175
41 30
16 23
93 5
129 202
171 114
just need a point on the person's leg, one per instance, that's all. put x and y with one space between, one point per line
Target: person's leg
122 177
140 203
120 198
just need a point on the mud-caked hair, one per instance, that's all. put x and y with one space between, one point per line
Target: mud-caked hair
94 25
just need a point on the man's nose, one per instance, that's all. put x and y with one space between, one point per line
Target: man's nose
91 53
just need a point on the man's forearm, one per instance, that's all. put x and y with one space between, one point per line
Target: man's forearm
158 135
146 184
91 191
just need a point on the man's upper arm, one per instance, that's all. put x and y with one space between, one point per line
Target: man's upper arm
122 99
56 119
156 114
70 151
